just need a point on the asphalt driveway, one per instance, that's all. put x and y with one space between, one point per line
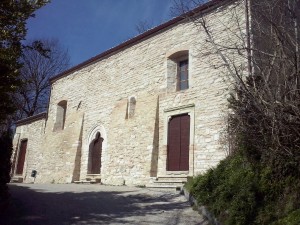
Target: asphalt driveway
55 204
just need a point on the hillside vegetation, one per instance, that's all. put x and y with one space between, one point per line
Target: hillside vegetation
239 192
259 182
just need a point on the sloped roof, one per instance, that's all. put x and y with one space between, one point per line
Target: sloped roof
31 119
138 38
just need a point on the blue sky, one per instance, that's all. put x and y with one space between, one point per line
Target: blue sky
87 28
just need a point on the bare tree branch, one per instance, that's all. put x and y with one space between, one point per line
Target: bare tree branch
42 61
266 101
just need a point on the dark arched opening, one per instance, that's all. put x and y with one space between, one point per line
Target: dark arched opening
95 152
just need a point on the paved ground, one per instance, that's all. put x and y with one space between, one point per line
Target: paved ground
55 204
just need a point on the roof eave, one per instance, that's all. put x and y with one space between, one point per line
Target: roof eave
31 119
138 38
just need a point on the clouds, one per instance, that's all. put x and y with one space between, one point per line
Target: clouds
88 28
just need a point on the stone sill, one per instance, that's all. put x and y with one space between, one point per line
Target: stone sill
177 172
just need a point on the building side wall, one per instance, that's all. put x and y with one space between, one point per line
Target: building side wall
211 85
62 151
134 149
34 158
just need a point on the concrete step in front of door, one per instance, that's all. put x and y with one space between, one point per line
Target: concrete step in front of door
90 179
168 188
16 179
175 179
169 182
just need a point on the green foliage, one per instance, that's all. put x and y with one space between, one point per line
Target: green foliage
13 16
239 193
260 182
292 218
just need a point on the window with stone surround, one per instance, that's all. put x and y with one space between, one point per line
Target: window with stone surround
178 71
60 115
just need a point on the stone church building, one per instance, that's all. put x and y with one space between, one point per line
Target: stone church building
151 110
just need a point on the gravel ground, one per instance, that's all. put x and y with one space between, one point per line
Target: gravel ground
55 204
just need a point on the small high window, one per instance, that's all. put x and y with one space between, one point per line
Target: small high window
60 116
183 75
130 107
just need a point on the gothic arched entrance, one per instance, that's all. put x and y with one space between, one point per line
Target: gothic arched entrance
95 152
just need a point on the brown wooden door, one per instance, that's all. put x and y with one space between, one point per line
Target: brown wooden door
21 157
96 156
178 143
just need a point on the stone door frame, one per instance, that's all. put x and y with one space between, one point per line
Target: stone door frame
168 113
90 137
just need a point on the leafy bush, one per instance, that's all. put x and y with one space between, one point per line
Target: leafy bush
238 193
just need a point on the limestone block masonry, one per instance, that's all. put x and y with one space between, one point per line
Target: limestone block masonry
134 138
33 132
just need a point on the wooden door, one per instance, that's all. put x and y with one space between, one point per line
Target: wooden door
178 143
21 157
96 155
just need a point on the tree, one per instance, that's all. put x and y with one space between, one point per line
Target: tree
265 96
260 57
143 26
180 7
32 97
13 16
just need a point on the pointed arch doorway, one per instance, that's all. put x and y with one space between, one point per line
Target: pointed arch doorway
95 153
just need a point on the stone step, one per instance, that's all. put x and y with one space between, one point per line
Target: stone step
174 184
90 179
175 179
170 181
173 176
16 179
82 182
177 182
165 187
93 175
93 178
86 182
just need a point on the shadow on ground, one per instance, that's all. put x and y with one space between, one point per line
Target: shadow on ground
38 206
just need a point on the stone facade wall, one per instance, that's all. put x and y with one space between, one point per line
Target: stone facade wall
34 158
134 148
63 150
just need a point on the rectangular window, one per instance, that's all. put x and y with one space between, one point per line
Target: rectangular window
183 75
